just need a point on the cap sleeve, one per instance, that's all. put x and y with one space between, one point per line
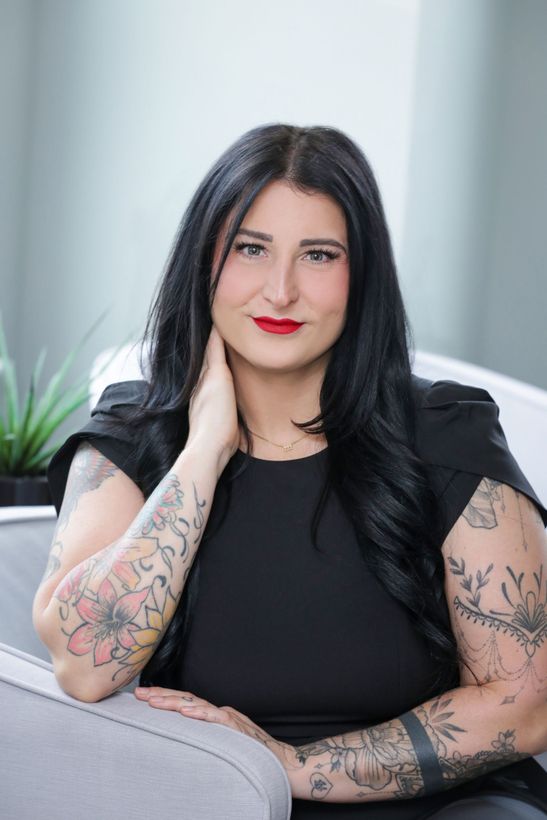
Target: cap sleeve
118 447
460 436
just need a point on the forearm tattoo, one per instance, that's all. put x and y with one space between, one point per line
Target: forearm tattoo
125 595
89 469
403 758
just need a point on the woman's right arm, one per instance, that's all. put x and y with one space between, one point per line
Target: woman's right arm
107 615
102 612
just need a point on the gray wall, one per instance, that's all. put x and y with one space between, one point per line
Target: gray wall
17 29
474 257
514 333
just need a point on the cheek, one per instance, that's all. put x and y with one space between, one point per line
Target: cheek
232 290
334 296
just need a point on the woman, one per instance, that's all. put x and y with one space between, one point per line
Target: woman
360 559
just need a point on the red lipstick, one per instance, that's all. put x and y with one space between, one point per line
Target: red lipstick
276 325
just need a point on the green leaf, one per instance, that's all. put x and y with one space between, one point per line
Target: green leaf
76 396
29 406
52 393
24 435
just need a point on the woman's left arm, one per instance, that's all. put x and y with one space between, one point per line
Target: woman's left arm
496 589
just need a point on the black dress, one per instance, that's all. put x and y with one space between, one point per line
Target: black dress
308 643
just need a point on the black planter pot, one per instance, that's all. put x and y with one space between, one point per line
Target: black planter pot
24 491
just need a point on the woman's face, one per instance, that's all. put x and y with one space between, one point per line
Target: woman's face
282 275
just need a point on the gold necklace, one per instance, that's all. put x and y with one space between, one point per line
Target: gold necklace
284 447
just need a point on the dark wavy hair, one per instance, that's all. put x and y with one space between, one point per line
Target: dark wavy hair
367 400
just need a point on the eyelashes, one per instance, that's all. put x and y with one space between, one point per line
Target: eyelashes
239 246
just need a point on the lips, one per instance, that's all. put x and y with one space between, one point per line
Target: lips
276 325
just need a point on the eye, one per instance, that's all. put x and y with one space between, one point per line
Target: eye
329 254
239 246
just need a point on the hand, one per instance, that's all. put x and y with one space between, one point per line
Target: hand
212 411
190 705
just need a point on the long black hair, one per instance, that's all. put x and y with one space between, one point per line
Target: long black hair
367 399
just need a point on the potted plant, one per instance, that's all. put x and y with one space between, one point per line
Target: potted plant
25 433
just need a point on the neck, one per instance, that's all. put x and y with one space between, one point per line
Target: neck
269 399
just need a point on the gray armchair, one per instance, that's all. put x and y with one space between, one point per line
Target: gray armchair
63 758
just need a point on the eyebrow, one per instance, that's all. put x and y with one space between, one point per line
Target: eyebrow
267 237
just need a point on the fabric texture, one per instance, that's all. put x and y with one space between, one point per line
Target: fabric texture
306 641
461 437
120 449
65 759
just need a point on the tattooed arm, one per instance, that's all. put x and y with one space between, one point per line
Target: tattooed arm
496 588
103 617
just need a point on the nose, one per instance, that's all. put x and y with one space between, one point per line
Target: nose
281 287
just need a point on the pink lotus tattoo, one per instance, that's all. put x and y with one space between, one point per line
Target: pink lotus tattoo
108 623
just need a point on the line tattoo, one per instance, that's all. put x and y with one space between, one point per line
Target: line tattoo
480 512
53 561
526 618
487 657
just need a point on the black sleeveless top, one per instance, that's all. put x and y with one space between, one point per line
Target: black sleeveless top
307 642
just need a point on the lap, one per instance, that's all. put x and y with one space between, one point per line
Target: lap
488 807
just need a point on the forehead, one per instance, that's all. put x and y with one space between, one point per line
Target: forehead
282 211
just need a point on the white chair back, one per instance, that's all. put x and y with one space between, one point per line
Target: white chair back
124 367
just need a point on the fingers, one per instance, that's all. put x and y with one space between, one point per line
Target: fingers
174 700
214 350
174 704
186 703
201 709
209 353
160 691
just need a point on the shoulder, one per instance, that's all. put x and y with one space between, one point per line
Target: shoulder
105 429
436 392
457 425
460 436
121 393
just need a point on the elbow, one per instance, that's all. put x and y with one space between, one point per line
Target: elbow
43 627
538 729
533 728
529 719
74 683
38 623
74 688
82 695
71 684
